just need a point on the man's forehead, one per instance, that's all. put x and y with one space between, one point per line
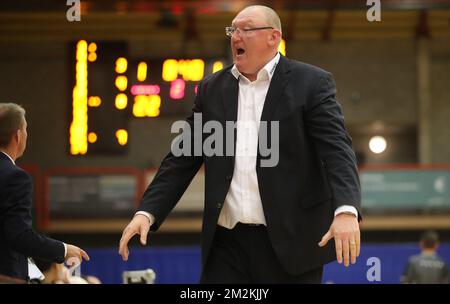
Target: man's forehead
247 17
238 21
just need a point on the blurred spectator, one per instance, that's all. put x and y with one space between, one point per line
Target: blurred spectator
59 274
54 273
92 279
427 267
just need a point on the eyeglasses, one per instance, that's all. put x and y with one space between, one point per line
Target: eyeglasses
229 30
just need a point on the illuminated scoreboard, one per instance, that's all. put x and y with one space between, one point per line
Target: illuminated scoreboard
109 89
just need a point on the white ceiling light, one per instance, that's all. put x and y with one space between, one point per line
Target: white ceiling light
377 144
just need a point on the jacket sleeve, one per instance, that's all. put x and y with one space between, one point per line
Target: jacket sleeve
325 124
18 222
175 172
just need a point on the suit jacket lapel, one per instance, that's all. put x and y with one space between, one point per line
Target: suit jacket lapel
230 93
230 97
276 88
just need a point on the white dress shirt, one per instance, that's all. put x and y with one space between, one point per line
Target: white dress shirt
243 201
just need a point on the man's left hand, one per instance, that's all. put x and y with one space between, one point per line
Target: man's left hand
345 231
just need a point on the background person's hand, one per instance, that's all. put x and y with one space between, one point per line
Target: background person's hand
75 254
140 224
346 234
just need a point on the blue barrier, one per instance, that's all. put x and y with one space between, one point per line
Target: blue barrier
181 265
392 257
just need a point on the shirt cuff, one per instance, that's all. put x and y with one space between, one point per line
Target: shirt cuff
150 216
65 250
346 209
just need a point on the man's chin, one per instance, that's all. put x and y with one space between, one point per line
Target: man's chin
241 67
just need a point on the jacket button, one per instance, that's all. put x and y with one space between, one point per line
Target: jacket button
219 205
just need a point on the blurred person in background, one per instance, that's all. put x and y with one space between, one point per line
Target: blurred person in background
18 240
427 267
59 274
265 224
91 279
54 273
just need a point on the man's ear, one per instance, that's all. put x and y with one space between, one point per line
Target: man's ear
275 38
17 136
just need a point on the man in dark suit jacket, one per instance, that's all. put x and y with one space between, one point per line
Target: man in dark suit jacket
263 223
18 240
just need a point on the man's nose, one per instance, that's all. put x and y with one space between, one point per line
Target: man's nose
236 37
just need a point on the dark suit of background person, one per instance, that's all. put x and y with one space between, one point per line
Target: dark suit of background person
316 174
18 240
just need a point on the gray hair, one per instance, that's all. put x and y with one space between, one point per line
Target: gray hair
12 118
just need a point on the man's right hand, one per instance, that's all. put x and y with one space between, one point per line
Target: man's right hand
74 252
140 224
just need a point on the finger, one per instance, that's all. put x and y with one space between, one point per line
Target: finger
352 250
84 255
127 253
123 251
338 244
328 236
143 233
358 244
127 235
123 246
345 251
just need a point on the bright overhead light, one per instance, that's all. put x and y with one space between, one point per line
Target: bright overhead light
377 144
